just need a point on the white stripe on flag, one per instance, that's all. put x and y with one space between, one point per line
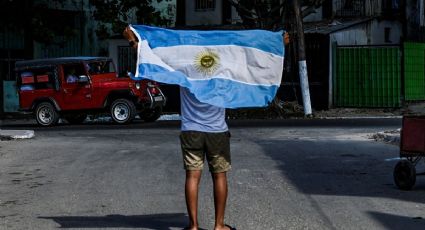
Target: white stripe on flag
243 64
145 55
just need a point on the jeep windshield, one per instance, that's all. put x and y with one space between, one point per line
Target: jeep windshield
100 67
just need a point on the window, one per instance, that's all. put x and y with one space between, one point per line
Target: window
349 8
391 7
127 58
395 4
387 33
72 72
40 78
100 67
204 5
422 16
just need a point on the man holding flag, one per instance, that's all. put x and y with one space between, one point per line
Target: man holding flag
216 70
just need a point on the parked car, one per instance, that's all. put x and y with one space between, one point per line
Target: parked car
74 87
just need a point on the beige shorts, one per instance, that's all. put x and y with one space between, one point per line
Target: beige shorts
215 146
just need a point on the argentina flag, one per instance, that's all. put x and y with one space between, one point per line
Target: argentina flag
229 69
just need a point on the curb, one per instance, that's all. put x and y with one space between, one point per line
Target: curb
16 134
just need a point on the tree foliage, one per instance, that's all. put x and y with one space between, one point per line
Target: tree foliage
43 24
114 15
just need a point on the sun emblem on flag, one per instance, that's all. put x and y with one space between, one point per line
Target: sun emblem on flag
207 62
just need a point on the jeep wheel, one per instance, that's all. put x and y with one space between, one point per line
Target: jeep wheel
151 115
123 111
76 118
46 115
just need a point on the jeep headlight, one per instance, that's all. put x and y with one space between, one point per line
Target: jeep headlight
137 85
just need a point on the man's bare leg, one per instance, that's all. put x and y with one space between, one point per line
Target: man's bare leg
220 198
193 177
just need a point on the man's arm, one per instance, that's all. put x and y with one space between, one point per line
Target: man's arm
130 36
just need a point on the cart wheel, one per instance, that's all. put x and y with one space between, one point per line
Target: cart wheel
404 175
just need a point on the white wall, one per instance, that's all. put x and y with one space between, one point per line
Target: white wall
378 32
353 36
372 33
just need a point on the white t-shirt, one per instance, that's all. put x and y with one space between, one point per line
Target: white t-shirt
198 116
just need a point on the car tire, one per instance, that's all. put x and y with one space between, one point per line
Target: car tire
46 114
76 118
151 115
122 111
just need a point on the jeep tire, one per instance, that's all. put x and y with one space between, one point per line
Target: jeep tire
46 114
151 115
122 111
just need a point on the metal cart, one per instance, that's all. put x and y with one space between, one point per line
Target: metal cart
412 150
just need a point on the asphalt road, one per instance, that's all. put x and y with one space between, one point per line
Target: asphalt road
287 174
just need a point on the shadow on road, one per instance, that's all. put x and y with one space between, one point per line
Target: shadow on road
340 167
356 168
394 222
154 221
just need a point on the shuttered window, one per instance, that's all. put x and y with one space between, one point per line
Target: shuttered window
204 5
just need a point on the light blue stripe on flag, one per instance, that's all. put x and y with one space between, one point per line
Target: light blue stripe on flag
230 69
239 95
267 41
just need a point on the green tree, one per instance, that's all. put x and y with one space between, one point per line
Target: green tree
39 22
114 15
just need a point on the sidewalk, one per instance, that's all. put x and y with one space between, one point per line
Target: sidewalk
16 134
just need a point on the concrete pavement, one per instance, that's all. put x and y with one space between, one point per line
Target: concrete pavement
287 174
389 136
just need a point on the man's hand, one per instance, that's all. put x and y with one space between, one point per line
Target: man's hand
130 36
286 38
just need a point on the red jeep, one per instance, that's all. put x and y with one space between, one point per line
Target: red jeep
71 88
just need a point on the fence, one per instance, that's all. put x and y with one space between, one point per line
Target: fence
367 77
414 71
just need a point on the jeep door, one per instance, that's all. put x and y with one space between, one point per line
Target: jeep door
76 95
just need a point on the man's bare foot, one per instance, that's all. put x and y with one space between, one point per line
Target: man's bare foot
225 227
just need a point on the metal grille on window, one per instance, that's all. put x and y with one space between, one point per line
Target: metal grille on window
127 58
203 5
349 8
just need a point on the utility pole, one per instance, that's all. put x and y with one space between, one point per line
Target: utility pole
302 64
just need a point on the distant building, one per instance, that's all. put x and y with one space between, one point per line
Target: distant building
353 52
205 13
